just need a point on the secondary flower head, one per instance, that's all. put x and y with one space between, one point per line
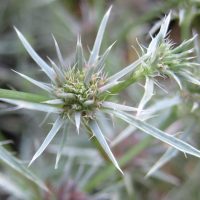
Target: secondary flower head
163 58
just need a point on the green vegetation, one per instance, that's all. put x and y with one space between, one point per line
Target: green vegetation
118 116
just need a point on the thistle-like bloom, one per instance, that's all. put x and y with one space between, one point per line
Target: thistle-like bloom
75 91
79 92
163 59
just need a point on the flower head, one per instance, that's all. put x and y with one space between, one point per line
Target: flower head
163 59
74 90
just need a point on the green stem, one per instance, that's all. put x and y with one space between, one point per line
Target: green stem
137 76
17 95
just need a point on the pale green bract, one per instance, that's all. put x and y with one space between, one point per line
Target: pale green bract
82 90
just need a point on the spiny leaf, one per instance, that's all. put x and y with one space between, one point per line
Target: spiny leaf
102 60
88 75
62 144
148 93
35 82
32 106
155 42
56 127
79 54
170 153
58 71
165 25
98 66
97 44
116 106
100 137
77 120
176 78
169 139
60 57
44 66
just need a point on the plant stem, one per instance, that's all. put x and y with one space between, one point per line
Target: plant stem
136 76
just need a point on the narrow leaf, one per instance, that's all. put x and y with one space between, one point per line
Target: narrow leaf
169 139
148 93
77 120
102 60
35 82
44 66
155 42
165 25
176 78
32 106
116 106
60 58
97 44
56 127
80 60
170 153
100 137
60 75
88 76
62 145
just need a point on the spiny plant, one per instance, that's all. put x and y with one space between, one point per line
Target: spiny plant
79 92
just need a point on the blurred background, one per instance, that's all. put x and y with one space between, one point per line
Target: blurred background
80 175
